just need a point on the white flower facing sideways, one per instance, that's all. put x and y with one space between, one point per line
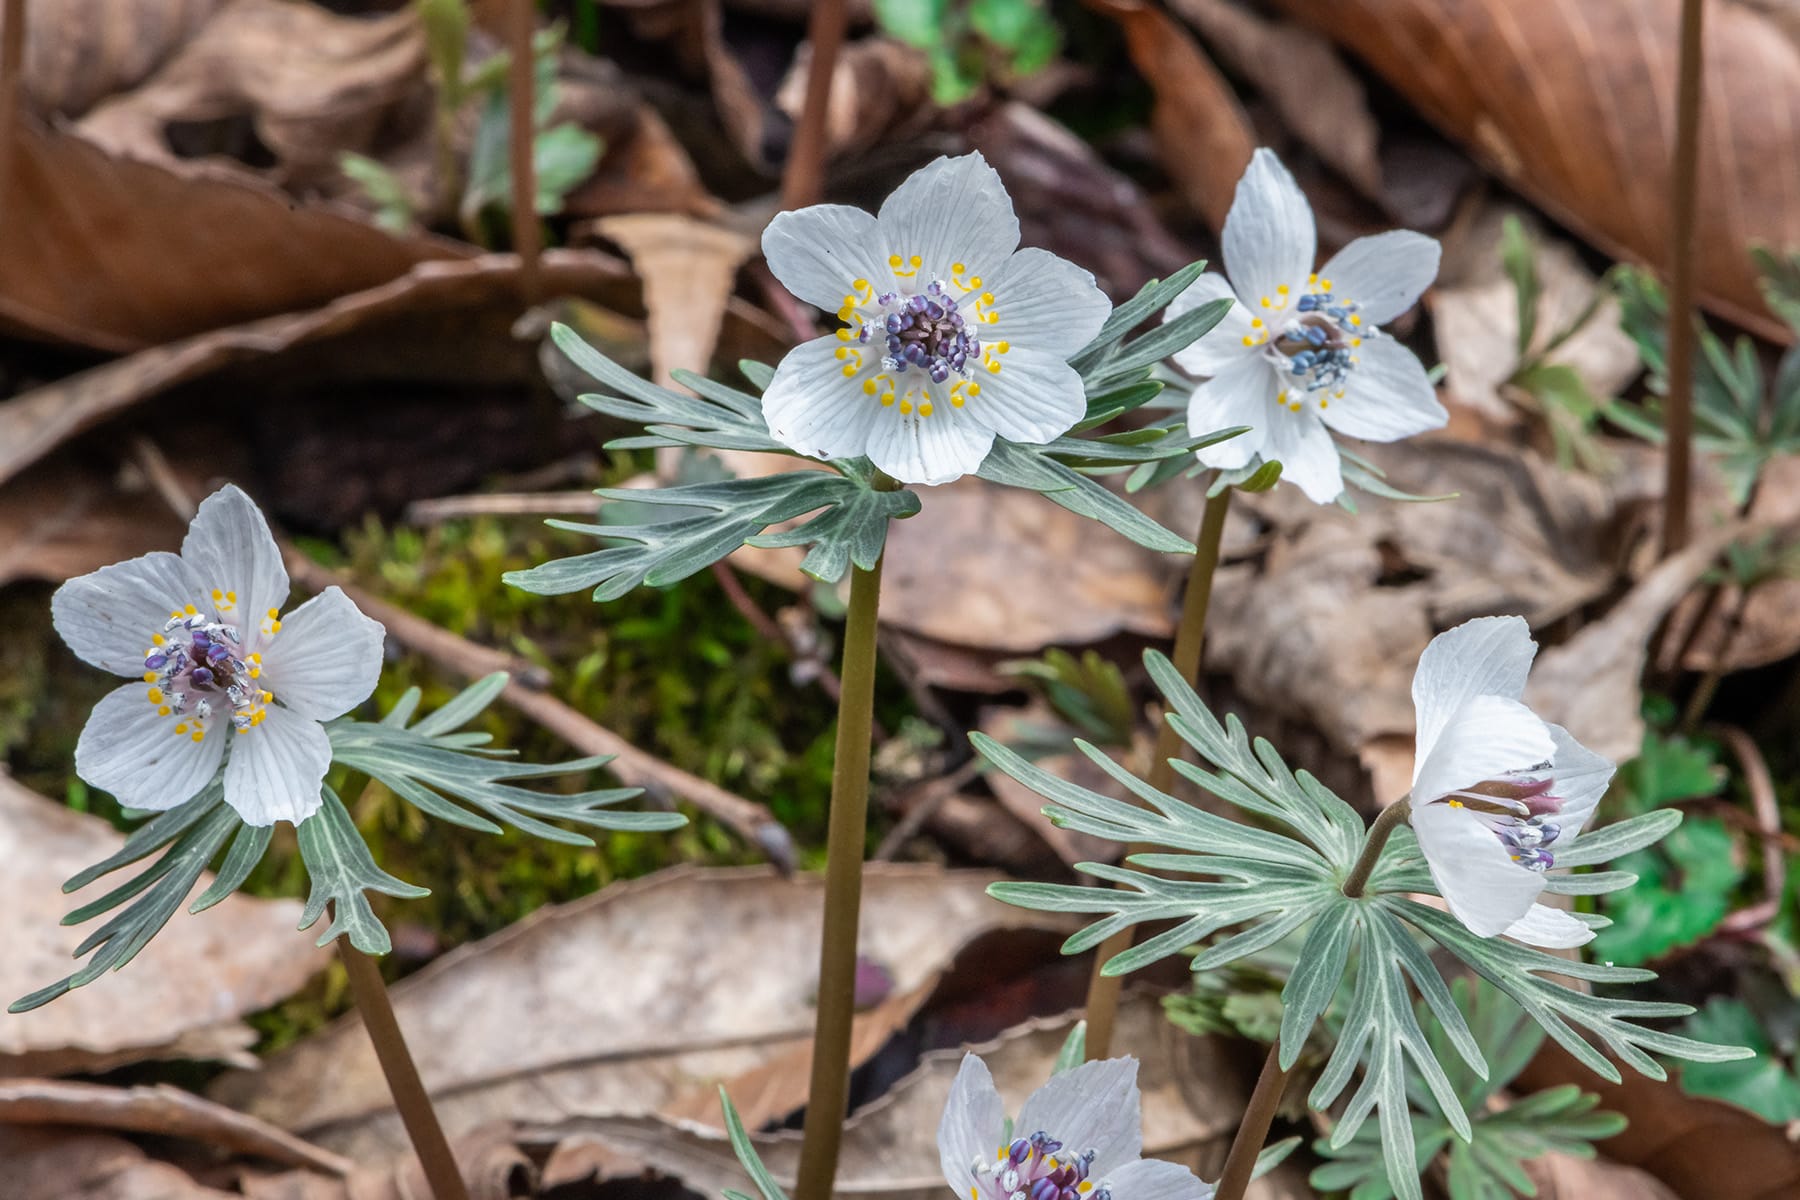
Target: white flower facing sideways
1300 353
1077 1138
1497 792
951 334
214 662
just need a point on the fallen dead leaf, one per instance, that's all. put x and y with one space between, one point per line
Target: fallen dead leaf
1702 1149
162 1110
638 995
1565 1177
181 997
54 1164
97 47
119 255
1770 630
1193 1098
880 92
689 269
1572 103
1204 137
489 1159
65 518
1029 726
313 84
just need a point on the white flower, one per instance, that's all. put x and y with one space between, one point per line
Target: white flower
1077 1137
1497 792
952 334
1299 351
215 662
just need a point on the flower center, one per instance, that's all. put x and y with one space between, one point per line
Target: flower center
1032 1169
197 669
1311 339
1517 807
923 332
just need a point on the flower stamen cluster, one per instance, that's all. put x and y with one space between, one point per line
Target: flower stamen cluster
1029 1169
199 659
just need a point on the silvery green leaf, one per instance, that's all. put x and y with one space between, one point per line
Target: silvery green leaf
1032 468
192 833
1074 1050
1365 476
1136 357
747 1156
1152 298
342 871
433 769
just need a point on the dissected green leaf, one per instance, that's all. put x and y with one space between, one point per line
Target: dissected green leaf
1684 891
1767 1085
342 872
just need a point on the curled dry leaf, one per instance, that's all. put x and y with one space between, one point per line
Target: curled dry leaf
689 269
120 255
1565 1177
253 955
66 517
1572 102
880 92
1203 135
492 1165
57 1164
312 84
639 995
1193 1098
94 48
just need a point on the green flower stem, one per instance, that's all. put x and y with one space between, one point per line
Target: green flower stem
845 838
1103 990
1272 1082
410 1097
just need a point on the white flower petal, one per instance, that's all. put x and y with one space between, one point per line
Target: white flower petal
1090 1107
1309 458
954 210
912 448
1222 345
1269 237
819 252
1387 397
1383 275
973 1122
109 616
1485 888
1581 780
127 749
812 408
1154 1179
1045 303
229 548
1240 394
1485 738
1488 656
326 659
1035 397
275 770
1551 928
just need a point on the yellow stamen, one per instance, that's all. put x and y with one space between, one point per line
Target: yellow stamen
156 696
906 406
925 409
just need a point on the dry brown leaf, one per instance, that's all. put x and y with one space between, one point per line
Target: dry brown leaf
53 1164
637 995
65 518
78 52
1702 1149
1475 316
1565 1177
121 255
312 83
183 995
880 92
1204 137
162 1110
689 269
1771 620
1302 77
1030 726
489 1159
1193 1098
1572 102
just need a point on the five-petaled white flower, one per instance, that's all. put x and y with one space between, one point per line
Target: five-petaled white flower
1497 792
1299 353
1077 1138
952 335
215 663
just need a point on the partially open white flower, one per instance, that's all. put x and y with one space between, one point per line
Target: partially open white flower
1300 353
1497 792
215 663
1077 1137
952 334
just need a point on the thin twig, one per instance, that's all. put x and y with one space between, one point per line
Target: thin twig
527 239
1708 686
923 808
502 504
804 179
1685 180
1761 786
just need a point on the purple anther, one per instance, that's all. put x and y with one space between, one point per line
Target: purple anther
1536 860
202 677
894 323
1550 831
914 354
939 372
201 641
1019 1151
934 310
156 662
1043 1189
217 654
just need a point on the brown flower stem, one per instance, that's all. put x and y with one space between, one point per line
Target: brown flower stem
803 180
1190 635
410 1097
1393 816
1685 178
845 840
521 22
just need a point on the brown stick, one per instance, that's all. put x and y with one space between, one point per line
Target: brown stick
12 89
804 179
410 1097
1761 786
527 236
1240 1163
1685 178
